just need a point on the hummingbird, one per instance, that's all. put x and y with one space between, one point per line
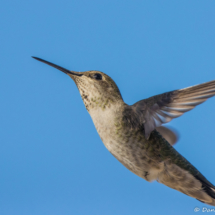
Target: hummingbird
134 134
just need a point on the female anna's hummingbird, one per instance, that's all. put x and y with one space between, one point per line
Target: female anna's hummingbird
133 134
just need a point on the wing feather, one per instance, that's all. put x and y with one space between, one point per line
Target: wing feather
162 108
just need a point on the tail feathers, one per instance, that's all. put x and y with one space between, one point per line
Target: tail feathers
195 186
207 187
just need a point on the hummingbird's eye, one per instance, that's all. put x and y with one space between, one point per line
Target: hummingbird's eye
97 76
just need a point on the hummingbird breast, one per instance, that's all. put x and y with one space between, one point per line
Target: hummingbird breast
127 143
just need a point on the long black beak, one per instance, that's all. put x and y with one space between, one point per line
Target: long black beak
66 71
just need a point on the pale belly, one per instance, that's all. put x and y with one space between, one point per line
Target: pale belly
130 151
128 147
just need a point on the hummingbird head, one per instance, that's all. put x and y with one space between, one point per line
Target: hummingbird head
96 88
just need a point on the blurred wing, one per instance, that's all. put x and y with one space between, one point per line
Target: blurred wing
169 134
162 108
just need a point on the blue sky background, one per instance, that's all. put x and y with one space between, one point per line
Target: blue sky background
52 160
